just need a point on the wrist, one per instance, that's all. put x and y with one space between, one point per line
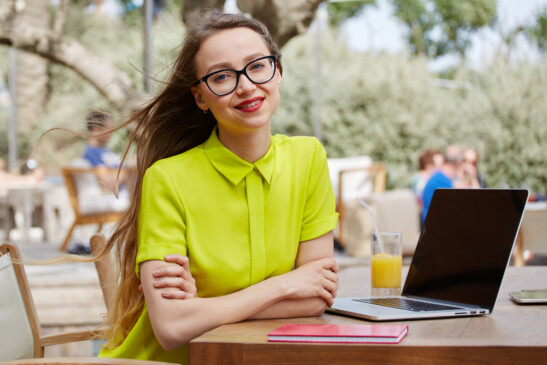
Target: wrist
280 286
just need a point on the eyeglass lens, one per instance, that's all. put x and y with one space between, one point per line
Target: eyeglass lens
225 81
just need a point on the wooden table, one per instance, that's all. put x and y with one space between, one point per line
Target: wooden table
512 334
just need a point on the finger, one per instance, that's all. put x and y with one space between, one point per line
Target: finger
332 276
178 259
332 287
176 295
189 288
173 270
327 297
328 263
177 283
169 283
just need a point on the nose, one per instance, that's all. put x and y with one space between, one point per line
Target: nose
244 84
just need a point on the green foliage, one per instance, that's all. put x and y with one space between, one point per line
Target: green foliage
460 18
341 11
420 22
537 32
382 105
454 20
391 108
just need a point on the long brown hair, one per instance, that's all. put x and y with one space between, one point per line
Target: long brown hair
169 125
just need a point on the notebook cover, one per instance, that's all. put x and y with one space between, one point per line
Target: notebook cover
364 333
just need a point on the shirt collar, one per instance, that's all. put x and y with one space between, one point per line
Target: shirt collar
231 166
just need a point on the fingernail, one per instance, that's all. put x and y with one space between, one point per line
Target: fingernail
155 272
168 257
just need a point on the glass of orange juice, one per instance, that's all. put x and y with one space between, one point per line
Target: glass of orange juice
386 261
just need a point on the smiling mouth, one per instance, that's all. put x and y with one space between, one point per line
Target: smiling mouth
250 105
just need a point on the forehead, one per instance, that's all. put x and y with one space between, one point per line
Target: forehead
230 46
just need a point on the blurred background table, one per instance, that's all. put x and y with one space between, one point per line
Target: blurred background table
532 237
36 204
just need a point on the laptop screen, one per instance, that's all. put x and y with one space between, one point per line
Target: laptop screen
465 245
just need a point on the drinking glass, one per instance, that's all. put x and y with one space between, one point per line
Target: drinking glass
386 262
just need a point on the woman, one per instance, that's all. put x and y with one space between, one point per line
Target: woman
245 207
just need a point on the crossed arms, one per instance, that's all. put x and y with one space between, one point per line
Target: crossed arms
305 291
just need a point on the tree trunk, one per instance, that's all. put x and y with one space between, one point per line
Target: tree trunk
192 9
283 18
32 76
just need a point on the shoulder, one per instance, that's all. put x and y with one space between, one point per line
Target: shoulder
438 179
298 144
178 164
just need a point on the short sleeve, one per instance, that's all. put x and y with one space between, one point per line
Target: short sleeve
320 214
162 223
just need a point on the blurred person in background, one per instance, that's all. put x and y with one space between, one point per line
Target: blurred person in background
469 170
96 153
452 174
428 161
99 126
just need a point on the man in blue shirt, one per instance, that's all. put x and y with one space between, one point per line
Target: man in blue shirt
443 177
96 152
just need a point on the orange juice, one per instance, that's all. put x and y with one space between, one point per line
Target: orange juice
386 270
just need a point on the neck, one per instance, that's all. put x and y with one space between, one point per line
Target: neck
94 142
249 146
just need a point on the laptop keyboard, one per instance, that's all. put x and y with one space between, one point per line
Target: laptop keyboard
407 304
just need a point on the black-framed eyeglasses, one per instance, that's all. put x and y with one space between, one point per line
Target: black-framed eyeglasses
223 82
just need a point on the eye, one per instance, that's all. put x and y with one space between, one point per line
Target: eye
258 65
221 76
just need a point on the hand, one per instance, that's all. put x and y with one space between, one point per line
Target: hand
176 277
315 279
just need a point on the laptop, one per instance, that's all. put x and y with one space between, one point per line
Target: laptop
459 262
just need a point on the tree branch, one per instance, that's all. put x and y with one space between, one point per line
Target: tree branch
115 85
60 19
7 13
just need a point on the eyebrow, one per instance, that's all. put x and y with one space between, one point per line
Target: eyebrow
227 65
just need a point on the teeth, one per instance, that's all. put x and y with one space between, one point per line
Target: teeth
250 105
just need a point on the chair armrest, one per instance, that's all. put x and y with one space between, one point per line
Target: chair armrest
67 337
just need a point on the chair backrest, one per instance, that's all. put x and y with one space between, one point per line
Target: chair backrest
87 195
21 340
106 269
20 335
353 177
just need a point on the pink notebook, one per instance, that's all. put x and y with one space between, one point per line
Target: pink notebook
360 333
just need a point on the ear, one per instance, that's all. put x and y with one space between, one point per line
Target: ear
278 78
198 97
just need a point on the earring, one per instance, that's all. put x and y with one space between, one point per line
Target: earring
205 111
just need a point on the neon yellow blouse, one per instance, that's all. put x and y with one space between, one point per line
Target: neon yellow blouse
239 223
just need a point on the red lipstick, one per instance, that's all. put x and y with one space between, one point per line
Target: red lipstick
250 105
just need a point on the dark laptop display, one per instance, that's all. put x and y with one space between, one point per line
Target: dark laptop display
465 246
